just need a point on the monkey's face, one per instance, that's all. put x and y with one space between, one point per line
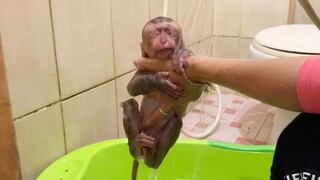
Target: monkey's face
161 39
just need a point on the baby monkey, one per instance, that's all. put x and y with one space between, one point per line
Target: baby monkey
153 130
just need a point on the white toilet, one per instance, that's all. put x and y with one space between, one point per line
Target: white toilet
285 41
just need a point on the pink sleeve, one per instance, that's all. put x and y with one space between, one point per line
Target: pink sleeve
308 85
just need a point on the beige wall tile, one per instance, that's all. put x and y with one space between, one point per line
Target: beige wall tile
157 8
260 14
128 19
83 43
291 14
196 19
91 116
40 140
227 17
244 47
226 47
122 95
204 47
29 55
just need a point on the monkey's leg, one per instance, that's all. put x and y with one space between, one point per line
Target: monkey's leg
131 118
132 125
166 139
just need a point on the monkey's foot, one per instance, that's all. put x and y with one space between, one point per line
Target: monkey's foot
130 108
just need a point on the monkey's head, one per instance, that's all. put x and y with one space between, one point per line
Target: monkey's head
160 37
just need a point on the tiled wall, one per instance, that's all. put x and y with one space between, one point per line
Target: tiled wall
68 62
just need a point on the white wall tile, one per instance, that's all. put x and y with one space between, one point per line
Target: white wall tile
128 19
204 47
260 14
29 55
227 17
84 44
244 47
226 47
90 116
196 19
40 140
157 8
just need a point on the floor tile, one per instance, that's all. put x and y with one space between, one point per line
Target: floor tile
242 121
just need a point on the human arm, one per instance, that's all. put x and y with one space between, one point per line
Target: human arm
272 81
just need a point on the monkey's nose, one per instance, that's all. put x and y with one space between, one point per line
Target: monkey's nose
165 43
163 40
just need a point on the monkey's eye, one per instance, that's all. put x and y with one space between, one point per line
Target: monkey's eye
169 32
156 33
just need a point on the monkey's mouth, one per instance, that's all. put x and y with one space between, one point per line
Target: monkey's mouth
165 53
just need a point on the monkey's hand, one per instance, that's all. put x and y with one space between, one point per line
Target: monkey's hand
163 84
143 141
179 60
146 82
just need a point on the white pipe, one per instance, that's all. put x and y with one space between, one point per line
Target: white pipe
208 131
165 8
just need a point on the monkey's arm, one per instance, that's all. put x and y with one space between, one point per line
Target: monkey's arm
141 83
154 119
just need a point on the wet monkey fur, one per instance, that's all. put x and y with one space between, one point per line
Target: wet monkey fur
153 130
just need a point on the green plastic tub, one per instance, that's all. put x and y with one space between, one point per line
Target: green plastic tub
187 159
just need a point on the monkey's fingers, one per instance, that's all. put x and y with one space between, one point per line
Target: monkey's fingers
177 67
174 87
174 95
163 74
143 140
179 60
174 91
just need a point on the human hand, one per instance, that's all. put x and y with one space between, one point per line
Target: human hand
149 64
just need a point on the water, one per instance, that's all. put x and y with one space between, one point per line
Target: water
153 175
145 172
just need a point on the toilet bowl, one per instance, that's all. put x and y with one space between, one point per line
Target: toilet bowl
285 41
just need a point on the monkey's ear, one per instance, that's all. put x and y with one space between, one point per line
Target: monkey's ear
143 51
183 45
144 54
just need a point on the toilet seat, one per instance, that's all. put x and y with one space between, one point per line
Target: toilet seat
288 40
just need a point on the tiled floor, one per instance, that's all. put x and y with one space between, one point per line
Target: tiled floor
243 120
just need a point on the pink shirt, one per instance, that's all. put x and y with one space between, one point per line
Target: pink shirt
308 85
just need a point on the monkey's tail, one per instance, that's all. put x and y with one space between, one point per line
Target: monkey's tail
135 167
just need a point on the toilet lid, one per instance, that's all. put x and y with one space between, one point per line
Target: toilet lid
296 38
